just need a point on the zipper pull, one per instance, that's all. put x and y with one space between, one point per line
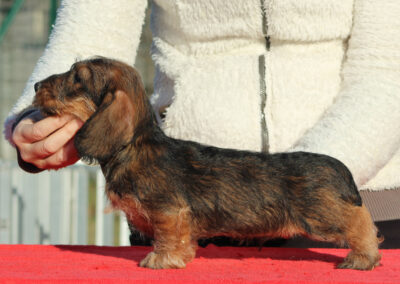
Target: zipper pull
267 43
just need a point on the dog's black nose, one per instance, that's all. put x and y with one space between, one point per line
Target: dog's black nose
37 86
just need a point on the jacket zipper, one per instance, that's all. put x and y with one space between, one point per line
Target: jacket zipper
263 86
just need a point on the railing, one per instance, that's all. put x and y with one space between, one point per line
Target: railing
57 207
16 6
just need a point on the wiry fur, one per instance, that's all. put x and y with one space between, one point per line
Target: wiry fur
178 191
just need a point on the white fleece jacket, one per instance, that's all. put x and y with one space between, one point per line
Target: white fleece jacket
280 75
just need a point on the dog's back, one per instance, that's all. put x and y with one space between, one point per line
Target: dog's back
241 193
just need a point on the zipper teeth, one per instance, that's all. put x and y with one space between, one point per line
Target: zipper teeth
263 86
263 94
264 18
265 25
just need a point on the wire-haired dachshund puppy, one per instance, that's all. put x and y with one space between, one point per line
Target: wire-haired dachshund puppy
179 191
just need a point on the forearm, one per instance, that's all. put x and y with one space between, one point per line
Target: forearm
362 127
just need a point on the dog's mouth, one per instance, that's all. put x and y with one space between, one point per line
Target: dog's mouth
45 110
48 111
45 103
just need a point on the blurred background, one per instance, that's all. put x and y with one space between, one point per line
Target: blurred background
63 207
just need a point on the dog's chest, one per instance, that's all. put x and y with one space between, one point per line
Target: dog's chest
134 211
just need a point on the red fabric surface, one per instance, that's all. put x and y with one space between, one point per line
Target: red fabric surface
34 263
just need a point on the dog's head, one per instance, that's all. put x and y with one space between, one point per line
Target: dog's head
107 94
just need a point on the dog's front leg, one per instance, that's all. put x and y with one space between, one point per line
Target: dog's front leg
173 244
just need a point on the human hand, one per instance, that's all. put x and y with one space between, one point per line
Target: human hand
47 143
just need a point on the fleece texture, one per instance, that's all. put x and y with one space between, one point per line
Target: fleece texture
91 264
332 72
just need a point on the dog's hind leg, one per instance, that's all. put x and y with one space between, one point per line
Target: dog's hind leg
173 244
361 236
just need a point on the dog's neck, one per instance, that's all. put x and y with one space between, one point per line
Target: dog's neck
143 148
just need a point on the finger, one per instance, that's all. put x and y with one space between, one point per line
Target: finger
51 144
29 118
18 135
65 156
33 132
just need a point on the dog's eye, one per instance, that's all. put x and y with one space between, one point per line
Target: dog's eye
77 78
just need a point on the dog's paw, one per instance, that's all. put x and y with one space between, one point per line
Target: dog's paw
359 262
162 261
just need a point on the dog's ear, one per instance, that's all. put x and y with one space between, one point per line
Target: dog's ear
108 129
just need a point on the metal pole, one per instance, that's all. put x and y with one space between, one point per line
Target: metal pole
52 13
9 18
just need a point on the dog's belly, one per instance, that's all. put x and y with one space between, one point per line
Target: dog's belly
134 212
284 230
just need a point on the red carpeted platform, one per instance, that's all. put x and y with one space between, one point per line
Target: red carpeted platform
37 263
